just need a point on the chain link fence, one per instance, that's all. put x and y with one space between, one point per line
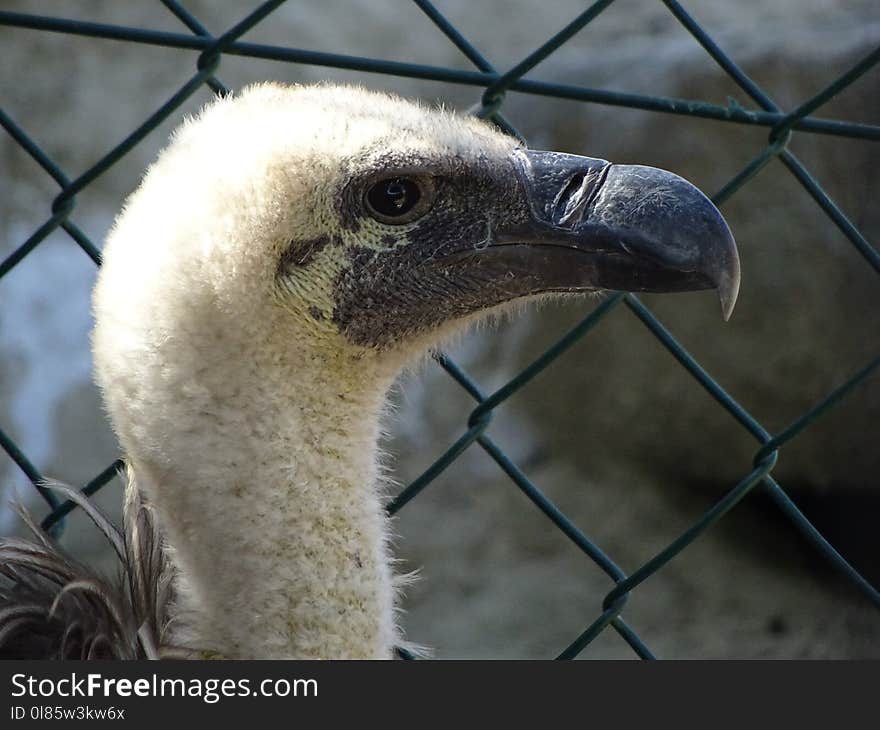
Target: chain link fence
780 124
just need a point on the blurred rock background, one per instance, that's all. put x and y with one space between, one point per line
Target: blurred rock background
615 432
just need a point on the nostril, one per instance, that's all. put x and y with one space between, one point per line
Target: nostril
569 198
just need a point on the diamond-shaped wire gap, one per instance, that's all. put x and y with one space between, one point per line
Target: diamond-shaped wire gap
765 454
779 137
790 161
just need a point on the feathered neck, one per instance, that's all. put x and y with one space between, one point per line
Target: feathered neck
270 501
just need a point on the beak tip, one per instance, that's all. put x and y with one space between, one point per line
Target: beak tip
728 284
727 304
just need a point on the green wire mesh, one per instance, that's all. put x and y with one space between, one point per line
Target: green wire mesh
781 125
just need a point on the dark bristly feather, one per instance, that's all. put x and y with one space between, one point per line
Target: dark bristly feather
52 606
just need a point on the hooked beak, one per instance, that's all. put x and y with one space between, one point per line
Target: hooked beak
595 225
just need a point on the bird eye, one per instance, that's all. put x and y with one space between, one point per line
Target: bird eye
394 200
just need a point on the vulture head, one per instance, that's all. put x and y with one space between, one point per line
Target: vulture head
361 224
287 254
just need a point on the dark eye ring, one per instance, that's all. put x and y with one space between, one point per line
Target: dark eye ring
395 200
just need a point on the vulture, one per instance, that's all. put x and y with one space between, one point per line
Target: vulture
290 251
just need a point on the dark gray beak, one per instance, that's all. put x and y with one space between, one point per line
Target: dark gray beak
633 228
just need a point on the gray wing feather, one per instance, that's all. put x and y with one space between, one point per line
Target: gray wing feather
52 606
